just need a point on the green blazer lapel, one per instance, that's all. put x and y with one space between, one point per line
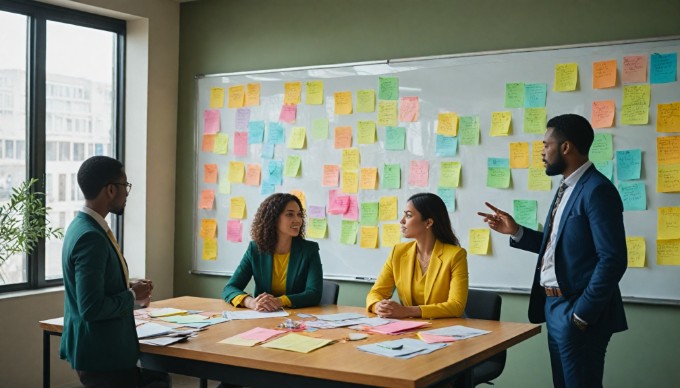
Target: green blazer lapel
94 226
294 264
265 266
433 269
407 263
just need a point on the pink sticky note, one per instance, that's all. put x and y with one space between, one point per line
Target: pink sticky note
207 199
408 109
234 230
634 69
288 113
398 327
432 338
419 173
602 114
261 334
337 204
331 175
241 143
211 121
253 174
316 211
352 212
242 118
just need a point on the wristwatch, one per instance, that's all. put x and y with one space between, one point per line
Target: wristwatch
579 323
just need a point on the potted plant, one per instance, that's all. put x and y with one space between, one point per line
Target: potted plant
23 221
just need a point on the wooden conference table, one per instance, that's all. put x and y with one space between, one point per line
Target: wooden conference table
337 365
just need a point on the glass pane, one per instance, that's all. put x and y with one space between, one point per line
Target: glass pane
13 44
79 118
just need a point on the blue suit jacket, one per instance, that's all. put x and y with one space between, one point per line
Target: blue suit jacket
590 254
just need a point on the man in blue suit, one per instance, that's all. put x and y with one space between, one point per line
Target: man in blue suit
581 257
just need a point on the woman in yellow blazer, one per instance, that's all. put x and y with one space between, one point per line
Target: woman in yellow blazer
430 273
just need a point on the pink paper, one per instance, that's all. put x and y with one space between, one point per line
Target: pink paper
634 69
211 121
288 113
337 204
316 211
242 118
419 173
398 327
352 212
433 339
234 230
261 334
241 143
408 109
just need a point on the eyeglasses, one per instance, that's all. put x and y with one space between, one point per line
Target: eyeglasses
128 186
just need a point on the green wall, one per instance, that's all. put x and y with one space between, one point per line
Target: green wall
218 36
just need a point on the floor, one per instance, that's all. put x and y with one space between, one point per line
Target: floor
181 381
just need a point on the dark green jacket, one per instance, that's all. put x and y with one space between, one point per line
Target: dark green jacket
99 326
304 279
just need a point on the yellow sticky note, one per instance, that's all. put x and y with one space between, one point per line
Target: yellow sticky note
366 132
668 227
297 138
331 175
366 101
637 94
635 114
479 241
216 98
252 94
535 120
668 150
301 196
253 174
604 74
350 159
316 228
387 208
449 175
237 96
566 77
224 186
447 124
208 228
350 182
221 144
391 235
519 155
387 112
668 117
314 93
210 173
238 208
209 249
236 172
636 251
343 137
538 181
369 237
291 93
668 252
369 178
536 153
668 178
500 123
343 103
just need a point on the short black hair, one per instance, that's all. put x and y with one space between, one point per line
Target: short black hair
573 128
97 172
430 205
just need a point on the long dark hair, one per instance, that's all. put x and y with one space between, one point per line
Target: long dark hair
263 231
431 206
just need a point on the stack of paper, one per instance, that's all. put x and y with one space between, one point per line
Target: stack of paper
250 314
154 334
398 327
165 312
454 333
297 343
401 348
252 337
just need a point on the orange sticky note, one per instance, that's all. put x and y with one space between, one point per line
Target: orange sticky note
331 175
634 69
210 173
252 94
207 199
408 109
253 174
602 114
668 117
208 228
343 103
668 150
216 98
301 196
519 155
208 143
604 74
292 92
343 137
368 178
236 96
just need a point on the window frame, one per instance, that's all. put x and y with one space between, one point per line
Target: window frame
38 14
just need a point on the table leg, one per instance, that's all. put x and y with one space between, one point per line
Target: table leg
46 359
203 383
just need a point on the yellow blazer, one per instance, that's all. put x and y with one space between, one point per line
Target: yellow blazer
446 285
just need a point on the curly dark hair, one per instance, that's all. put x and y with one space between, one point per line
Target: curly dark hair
263 231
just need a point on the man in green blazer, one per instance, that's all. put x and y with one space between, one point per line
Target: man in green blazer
99 338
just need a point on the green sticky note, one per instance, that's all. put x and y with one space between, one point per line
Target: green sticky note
606 167
602 148
389 88
320 129
535 120
221 143
468 128
524 211
348 232
498 177
224 185
449 174
395 138
366 132
366 100
369 214
292 166
514 95
392 176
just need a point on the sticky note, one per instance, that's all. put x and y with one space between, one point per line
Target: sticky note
387 113
320 129
602 147
234 231
419 172
602 114
237 96
253 94
292 92
208 228
331 175
668 150
668 252
221 144
391 176
500 123
634 69
369 213
525 211
224 186
636 94
366 101
211 121
276 133
369 237
535 95
469 130
210 173
209 249
288 113
242 118
343 137
479 241
314 93
273 175
255 132
389 88
350 159
633 195
408 109
535 120
368 179
350 182
498 173
449 174
343 103
668 117
536 153
395 138
449 197
337 203
566 76
668 178
537 180
366 132
237 209
663 68
315 211
636 248
446 145
301 196
216 98
519 155
606 167
604 74
292 166
348 232
208 143
635 114
297 138
267 151
628 164
236 172
267 189
447 124
352 212
207 199
635 108
317 228
387 208
240 143
668 227
253 174
391 235
514 95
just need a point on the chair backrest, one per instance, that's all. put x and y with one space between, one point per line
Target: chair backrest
483 305
330 292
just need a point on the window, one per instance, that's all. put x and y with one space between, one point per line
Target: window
54 66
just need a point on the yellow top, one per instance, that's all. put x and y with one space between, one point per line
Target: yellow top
279 273
418 285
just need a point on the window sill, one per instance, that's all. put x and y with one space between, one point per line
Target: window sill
28 293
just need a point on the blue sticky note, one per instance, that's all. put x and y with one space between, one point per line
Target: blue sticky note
498 163
242 118
255 132
275 133
449 197
534 95
663 68
446 145
267 189
606 167
633 195
273 174
268 151
628 164
395 138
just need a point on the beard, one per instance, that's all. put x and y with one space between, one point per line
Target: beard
557 167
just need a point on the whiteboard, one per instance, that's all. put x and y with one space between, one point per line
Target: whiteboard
470 85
